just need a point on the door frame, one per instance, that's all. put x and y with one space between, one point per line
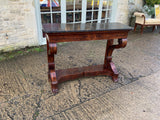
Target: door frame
41 40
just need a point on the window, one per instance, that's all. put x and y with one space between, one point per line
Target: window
50 11
72 11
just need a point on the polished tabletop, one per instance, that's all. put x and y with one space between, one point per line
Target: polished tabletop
83 27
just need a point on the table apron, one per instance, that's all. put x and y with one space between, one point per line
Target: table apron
86 36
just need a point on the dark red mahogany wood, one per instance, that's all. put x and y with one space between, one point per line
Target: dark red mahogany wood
83 32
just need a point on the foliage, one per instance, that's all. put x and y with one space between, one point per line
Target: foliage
149 10
151 3
149 6
12 54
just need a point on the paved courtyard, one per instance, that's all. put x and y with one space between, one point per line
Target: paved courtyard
25 92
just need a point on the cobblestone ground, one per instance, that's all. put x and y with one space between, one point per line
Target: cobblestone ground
25 91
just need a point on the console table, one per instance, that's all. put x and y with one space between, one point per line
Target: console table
83 32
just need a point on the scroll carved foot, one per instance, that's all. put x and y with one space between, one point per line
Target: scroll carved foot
115 72
108 64
54 82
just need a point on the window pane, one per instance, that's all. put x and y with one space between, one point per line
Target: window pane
46 18
103 14
95 14
69 17
92 3
89 4
88 15
56 9
78 16
105 4
78 6
69 5
96 4
45 5
110 4
45 9
56 18
106 15
56 6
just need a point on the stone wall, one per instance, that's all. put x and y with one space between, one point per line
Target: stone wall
122 12
126 8
135 5
18 27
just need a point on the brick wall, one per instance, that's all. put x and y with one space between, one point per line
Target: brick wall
17 24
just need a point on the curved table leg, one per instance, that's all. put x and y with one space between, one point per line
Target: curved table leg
108 64
52 50
47 40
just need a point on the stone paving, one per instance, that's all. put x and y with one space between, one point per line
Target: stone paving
25 91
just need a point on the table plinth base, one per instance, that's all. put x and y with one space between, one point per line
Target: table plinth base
75 73
56 33
59 76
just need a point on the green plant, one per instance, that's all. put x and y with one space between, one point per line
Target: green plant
38 49
19 52
149 10
151 3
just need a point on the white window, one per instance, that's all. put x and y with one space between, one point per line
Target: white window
74 11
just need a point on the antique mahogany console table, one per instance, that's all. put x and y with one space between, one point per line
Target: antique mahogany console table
83 32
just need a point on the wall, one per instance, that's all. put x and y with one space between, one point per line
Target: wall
125 8
18 27
122 12
135 5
